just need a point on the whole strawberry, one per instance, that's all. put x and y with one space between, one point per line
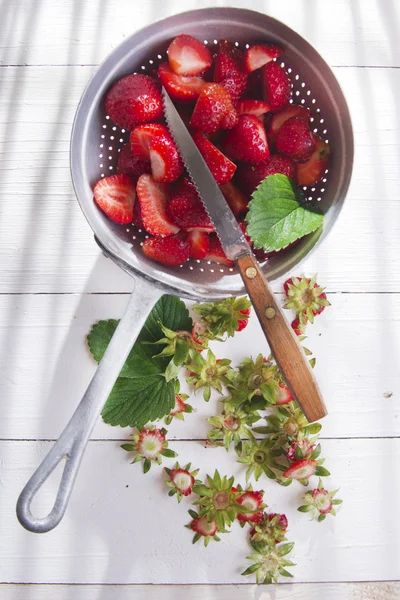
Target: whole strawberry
133 100
247 141
294 139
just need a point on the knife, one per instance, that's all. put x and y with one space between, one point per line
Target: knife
285 347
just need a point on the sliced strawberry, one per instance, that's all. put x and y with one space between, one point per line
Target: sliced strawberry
277 87
301 469
247 141
133 100
254 86
179 87
115 196
242 323
294 139
187 212
153 198
214 109
166 162
257 56
252 501
248 106
294 110
199 243
220 166
250 176
313 169
137 216
229 69
171 251
182 480
141 137
186 186
204 527
283 395
130 165
188 56
235 198
216 253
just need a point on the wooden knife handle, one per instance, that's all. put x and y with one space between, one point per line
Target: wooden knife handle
283 342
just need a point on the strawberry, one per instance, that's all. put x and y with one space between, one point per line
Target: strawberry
137 216
235 198
204 527
115 196
229 69
313 169
277 87
186 186
303 445
242 323
141 137
248 106
216 253
254 86
293 110
182 480
247 141
179 87
283 395
250 176
199 243
166 162
171 251
294 139
187 212
133 100
214 110
153 198
221 167
252 501
257 56
129 164
188 56
301 469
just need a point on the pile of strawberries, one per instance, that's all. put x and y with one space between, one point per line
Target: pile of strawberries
237 107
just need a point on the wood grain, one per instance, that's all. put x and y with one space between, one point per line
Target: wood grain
282 340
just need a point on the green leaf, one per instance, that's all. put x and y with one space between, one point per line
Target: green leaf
169 453
278 214
181 352
285 549
172 371
141 393
251 569
146 465
322 472
305 508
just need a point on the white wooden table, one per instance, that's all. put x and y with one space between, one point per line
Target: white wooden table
121 533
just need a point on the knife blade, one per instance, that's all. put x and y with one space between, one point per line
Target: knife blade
228 230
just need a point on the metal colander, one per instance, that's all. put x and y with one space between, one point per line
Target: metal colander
95 145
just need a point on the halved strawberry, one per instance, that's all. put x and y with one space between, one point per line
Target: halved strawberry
129 164
277 87
257 56
294 110
235 198
171 251
133 100
141 137
313 169
248 106
283 395
252 501
166 162
250 176
214 109
187 212
204 527
153 198
229 70
115 196
247 141
188 56
301 469
216 253
294 139
199 243
179 87
220 166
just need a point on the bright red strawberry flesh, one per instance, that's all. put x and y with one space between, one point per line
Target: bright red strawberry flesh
115 196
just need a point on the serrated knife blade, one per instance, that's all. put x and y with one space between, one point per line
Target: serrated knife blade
228 230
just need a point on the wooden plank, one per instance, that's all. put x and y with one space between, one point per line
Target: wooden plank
52 249
345 32
300 591
356 342
121 527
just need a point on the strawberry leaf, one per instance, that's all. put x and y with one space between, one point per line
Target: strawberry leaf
278 214
141 393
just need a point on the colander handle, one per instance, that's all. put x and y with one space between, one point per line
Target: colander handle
282 340
73 440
